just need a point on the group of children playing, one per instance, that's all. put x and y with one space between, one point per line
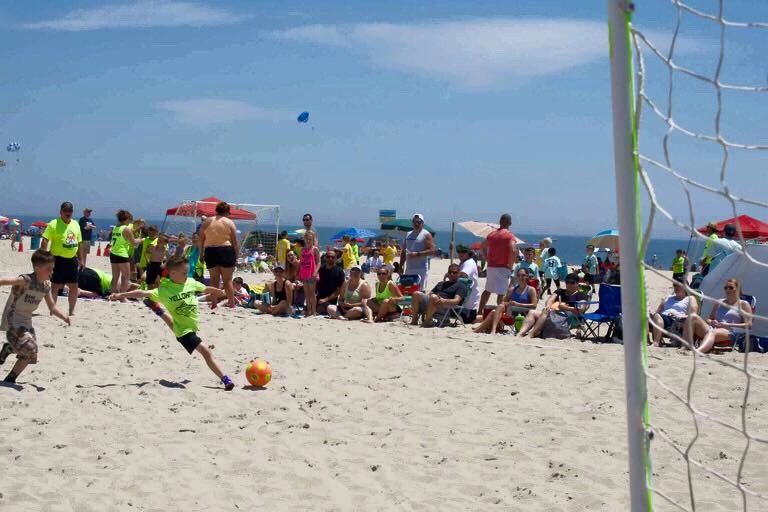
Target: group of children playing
178 293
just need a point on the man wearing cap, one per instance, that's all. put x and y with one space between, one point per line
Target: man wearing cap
500 249
709 250
65 239
86 228
722 247
419 245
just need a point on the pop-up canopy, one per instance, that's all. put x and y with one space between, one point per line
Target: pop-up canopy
750 226
207 208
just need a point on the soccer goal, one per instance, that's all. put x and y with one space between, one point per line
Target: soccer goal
257 224
689 107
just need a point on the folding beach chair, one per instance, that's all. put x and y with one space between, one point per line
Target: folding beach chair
730 344
608 312
408 284
453 314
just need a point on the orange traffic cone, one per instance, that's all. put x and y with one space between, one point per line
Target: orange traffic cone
98 250
21 245
106 251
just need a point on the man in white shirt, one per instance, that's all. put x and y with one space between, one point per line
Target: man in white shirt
468 268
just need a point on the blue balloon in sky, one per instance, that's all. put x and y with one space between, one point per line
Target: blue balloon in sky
303 117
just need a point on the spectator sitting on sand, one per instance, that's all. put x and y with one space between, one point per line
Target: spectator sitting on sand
331 279
445 294
724 322
375 261
520 298
386 297
560 313
355 293
671 314
281 294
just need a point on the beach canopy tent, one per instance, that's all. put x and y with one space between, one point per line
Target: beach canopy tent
483 229
750 227
207 208
402 225
752 276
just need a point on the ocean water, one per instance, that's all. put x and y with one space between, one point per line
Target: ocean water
570 248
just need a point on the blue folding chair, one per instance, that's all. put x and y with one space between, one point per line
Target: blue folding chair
608 312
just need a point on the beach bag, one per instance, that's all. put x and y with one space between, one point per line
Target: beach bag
557 326
756 343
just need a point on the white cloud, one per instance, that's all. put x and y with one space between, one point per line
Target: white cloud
216 111
139 14
479 53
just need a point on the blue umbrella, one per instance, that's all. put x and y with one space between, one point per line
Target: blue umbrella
608 238
355 233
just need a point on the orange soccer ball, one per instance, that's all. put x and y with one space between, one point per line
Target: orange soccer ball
258 373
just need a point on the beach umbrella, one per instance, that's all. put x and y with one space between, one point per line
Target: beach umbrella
750 226
402 225
3 219
301 231
356 233
608 238
39 224
483 229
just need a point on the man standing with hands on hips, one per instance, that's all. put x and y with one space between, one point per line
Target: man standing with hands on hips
65 238
419 245
500 248
86 229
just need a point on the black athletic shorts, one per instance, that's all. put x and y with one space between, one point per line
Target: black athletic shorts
220 256
89 281
154 268
189 341
114 258
65 270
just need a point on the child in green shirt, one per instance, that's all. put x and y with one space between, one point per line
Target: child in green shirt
179 293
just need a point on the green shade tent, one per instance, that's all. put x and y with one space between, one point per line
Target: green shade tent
402 225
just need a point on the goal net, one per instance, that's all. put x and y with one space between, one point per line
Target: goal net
689 110
257 224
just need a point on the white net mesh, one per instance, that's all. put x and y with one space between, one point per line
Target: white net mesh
257 224
702 149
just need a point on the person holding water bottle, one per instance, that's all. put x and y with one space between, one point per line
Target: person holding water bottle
520 298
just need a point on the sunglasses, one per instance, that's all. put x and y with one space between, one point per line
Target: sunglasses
306 219
729 287
67 211
453 271
278 271
383 273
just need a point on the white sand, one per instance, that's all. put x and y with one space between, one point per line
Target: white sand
116 416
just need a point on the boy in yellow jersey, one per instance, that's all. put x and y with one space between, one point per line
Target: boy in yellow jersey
179 293
389 253
146 248
348 255
283 246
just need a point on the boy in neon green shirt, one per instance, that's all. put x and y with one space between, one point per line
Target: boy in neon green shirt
179 293
678 266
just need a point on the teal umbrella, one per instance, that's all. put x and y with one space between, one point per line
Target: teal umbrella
402 225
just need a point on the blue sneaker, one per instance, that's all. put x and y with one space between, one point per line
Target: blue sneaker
228 384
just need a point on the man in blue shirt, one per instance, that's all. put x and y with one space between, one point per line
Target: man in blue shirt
86 229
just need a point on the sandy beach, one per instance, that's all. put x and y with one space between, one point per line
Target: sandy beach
116 416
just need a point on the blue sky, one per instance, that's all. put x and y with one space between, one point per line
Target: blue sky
456 109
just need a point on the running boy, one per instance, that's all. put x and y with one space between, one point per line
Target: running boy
178 293
27 293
